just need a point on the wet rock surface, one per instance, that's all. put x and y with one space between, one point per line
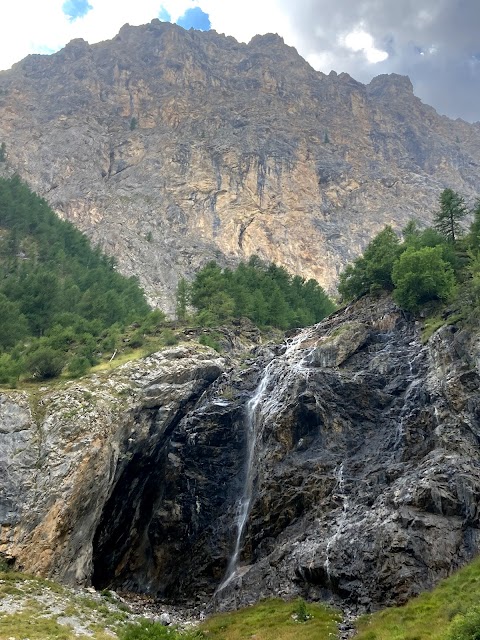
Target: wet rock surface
363 482
367 474
66 452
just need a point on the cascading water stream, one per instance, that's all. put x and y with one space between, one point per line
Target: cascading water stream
257 408
340 478
243 508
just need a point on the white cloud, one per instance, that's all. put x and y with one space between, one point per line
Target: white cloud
33 26
245 19
360 40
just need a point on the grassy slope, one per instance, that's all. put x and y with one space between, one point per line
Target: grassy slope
430 615
41 609
272 620
38 609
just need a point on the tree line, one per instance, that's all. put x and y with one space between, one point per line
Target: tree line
265 293
58 295
437 263
63 305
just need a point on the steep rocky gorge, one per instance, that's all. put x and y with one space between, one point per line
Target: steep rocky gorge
173 147
345 462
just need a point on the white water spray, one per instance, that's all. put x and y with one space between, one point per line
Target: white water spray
264 401
340 478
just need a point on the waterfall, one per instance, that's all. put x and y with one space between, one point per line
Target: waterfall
243 508
280 372
340 478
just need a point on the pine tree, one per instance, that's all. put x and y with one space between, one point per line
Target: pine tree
182 299
447 220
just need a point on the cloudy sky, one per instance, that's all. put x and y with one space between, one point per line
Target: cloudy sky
435 42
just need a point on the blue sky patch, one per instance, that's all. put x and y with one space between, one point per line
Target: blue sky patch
195 19
164 16
74 9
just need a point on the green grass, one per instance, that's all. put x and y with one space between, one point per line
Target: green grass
430 326
434 322
272 620
39 619
28 624
430 616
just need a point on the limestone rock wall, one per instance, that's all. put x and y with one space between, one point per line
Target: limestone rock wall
63 452
173 147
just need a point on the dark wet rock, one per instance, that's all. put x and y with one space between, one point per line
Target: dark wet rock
364 478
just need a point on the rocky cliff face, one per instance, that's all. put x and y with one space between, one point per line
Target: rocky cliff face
170 148
65 451
344 462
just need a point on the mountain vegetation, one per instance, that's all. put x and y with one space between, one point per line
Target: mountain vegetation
439 263
63 305
58 296
448 612
265 293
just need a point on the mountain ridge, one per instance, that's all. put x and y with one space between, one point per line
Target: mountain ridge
171 147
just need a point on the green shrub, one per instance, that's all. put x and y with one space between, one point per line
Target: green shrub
300 612
10 369
153 321
373 270
209 341
45 363
147 630
421 276
137 339
78 366
168 338
465 627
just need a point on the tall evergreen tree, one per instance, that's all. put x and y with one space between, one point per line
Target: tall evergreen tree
448 218
182 299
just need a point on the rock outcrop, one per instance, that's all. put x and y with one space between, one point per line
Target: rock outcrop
355 447
171 148
64 451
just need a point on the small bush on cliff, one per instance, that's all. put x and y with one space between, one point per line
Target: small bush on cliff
373 269
78 366
45 363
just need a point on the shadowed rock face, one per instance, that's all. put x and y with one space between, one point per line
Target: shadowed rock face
173 147
365 474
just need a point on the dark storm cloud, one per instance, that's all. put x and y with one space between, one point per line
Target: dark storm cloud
435 42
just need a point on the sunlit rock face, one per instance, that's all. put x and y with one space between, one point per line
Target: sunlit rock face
173 147
344 463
